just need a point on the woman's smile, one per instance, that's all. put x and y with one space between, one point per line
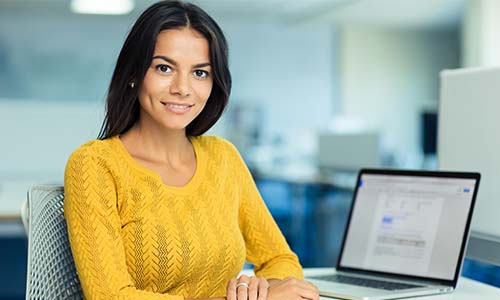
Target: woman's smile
177 108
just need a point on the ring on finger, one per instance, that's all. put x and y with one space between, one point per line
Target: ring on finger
242 284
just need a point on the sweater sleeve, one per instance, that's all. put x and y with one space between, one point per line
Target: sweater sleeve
266 246
94 226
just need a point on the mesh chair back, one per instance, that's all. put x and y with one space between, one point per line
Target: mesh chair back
51 269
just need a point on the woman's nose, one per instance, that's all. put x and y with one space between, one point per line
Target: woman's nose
180 85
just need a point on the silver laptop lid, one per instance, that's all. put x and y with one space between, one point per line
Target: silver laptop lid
413 224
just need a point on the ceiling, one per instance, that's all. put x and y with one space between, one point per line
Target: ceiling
425 14
420 14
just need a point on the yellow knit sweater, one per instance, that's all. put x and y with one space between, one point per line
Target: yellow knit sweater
133 237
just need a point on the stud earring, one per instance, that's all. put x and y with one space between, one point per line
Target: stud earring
132 84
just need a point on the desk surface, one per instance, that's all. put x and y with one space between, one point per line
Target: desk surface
467 289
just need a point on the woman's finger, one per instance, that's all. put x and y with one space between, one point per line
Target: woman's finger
242 292
244 278
309 294
231 289
242 289
253 288
263 286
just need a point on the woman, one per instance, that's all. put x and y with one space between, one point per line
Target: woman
154 209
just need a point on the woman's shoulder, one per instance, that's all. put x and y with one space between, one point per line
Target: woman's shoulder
102 149
212 143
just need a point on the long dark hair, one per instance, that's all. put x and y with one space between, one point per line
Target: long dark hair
122 104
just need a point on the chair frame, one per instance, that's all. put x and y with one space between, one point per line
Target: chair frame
51 269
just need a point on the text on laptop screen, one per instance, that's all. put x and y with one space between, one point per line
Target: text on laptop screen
409 225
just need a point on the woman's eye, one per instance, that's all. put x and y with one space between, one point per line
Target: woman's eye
201 73
163 68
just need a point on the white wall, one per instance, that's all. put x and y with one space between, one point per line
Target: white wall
287 70
389 76
37 139
481 34
57 56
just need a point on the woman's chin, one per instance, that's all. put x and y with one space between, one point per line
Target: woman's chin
175 126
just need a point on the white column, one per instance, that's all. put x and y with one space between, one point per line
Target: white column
481 34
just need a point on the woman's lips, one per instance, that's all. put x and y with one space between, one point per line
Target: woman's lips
177 108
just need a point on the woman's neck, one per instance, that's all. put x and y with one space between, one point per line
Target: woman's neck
158 144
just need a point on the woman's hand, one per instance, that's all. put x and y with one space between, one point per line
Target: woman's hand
292 288
247 288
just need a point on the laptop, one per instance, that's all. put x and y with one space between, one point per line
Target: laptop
406 235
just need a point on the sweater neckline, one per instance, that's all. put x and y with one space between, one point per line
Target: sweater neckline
195 180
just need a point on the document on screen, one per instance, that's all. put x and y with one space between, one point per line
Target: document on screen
403 232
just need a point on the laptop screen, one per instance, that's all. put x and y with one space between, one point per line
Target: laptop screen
410 225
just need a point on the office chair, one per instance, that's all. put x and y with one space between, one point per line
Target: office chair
51 269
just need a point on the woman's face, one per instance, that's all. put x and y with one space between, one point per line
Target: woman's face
179 80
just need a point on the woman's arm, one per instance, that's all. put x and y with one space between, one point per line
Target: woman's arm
266 246
94 230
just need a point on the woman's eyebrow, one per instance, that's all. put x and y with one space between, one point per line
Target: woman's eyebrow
201 65
173 62
167 59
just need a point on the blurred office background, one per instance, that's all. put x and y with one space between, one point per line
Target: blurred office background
321 88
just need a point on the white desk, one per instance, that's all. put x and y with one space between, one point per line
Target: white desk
467 289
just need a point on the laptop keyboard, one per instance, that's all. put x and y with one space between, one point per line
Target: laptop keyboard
372 283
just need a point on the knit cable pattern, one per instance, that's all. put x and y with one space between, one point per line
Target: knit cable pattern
134 237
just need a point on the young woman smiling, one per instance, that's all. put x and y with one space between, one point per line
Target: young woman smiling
156 210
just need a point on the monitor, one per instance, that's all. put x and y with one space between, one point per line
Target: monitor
469 140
